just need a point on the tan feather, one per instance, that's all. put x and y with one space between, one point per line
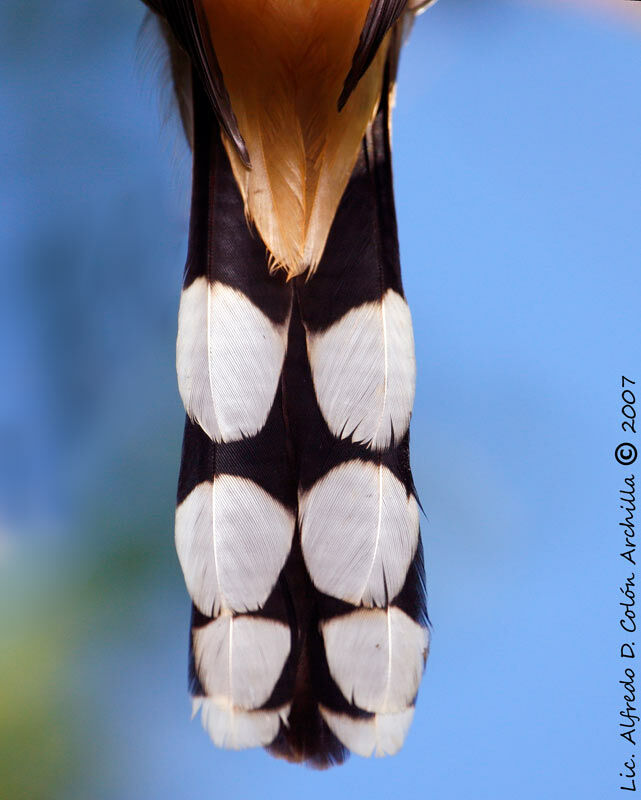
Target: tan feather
284 64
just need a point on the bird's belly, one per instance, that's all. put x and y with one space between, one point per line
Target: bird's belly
284 63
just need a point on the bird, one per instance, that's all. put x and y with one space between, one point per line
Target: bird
297 521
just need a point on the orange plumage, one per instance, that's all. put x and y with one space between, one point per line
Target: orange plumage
284 63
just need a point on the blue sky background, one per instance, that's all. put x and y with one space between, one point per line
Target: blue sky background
518 181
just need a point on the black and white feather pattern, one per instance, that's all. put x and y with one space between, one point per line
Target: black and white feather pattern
297 523
357 510
236 511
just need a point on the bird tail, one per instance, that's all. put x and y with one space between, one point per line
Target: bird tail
297 524
236 510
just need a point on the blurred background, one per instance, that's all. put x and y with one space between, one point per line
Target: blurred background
518 180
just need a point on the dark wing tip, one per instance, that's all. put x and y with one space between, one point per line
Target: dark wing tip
215 83
348 88
241 148
188 22
380 18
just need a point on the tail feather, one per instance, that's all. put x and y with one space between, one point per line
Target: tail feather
236 510
357 510
297 523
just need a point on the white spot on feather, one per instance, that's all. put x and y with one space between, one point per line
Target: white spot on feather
233 539
359 533
376 657
364 371
381 735
239 659
236 729
229 358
